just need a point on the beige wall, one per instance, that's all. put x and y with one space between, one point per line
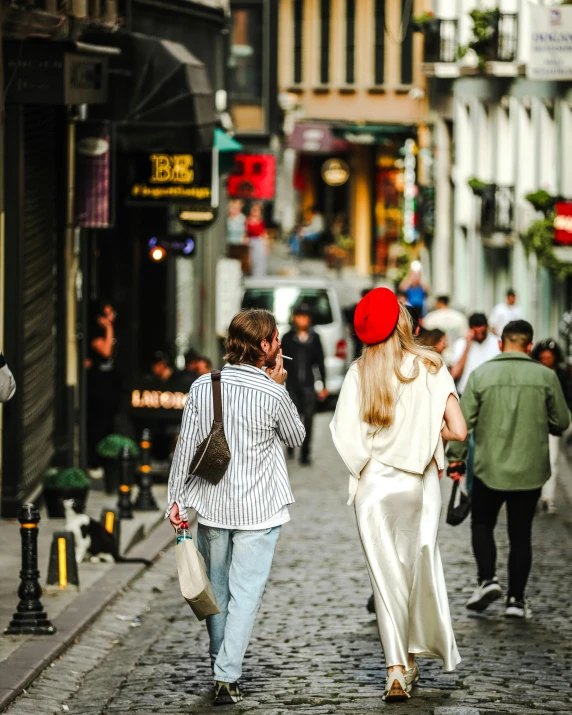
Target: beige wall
387 103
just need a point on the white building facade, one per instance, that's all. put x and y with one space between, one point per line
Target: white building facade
510 135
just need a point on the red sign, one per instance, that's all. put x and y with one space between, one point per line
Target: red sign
563 223
253 177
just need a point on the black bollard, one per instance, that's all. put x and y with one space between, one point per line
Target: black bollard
30 617
124 505
145 500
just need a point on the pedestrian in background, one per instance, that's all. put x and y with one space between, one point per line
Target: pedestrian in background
258 241
435 339
472 351
388 429
451 321
416 289
239 518
511 404
7 382
302 343
549 354
503 313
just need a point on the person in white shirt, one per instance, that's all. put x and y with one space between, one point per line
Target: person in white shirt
397 404
452 322
315 227
504 313
240 517
471 352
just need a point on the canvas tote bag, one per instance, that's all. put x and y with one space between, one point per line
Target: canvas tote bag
196 588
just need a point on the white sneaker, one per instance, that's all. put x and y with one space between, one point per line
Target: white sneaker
485 593
517 609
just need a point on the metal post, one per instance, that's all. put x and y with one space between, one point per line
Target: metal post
30 617
124 505
145 500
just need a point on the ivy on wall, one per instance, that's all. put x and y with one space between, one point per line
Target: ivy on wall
539 237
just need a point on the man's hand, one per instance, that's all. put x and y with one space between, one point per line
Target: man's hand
277 372
175 517
470 337
323 394
456 470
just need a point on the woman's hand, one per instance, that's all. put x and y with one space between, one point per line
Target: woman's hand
175 517
277 372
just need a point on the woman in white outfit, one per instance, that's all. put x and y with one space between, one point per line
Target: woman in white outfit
397 404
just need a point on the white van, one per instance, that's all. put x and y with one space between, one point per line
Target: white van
281 295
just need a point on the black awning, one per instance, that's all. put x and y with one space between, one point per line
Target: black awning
160 95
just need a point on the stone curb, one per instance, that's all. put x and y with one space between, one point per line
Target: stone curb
28 661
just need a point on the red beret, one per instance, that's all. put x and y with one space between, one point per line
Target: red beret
376 316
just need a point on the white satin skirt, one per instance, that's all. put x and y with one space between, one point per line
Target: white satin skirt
398 517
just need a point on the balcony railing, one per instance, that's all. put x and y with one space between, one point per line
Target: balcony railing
507 37
441 41
497 210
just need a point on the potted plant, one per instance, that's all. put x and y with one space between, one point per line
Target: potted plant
426 23
109 449
61 484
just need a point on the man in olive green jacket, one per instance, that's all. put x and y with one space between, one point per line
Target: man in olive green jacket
512 404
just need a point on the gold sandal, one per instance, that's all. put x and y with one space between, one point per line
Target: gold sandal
395 688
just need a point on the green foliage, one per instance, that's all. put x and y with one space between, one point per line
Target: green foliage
422 22
485 34
55 478
478 187
539 237
541 200
112 445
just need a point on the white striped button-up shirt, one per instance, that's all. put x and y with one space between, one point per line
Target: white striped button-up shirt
257 414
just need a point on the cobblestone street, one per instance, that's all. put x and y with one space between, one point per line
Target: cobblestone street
315 649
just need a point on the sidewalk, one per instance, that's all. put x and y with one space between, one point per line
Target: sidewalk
56 604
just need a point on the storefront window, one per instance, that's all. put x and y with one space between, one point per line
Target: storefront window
246 59
388 203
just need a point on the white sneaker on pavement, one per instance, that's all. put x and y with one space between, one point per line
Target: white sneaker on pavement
517 609
485 593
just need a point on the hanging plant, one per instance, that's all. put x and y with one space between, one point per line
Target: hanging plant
426 22
479 188
539 238
485 34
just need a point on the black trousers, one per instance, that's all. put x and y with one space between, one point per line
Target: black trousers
520 508
305 401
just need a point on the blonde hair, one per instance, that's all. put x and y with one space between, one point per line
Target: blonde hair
379 363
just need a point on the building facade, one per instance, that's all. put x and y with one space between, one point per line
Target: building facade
352 90
501 130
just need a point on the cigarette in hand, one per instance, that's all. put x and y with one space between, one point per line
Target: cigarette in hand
286 357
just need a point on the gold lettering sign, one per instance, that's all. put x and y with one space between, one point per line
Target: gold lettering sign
172 169
156 399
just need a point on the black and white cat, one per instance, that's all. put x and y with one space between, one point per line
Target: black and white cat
92 538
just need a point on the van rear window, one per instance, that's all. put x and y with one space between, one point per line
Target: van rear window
282 301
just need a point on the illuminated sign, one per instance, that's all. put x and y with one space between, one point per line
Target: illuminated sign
409 193
563 223
335 172
158 400
253 177
162 178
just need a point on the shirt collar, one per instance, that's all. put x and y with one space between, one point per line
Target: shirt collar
245 366
513 356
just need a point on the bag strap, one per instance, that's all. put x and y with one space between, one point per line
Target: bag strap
217 398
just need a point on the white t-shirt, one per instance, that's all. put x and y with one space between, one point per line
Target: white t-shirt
478 354
278 519
502 314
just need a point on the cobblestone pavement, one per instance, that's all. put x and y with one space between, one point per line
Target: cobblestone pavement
315 649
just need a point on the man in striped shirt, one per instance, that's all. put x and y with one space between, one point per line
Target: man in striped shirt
239 518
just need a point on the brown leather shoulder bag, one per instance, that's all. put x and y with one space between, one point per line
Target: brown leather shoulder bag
212 457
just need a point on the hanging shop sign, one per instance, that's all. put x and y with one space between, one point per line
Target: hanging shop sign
335 172
93 175
550 42
44 73
563 223
253 177
187 180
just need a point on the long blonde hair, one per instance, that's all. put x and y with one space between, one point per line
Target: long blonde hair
379 363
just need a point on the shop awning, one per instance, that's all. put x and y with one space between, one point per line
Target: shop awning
373 133
160 96
224 142
316 138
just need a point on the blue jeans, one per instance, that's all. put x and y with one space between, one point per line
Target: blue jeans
238 564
